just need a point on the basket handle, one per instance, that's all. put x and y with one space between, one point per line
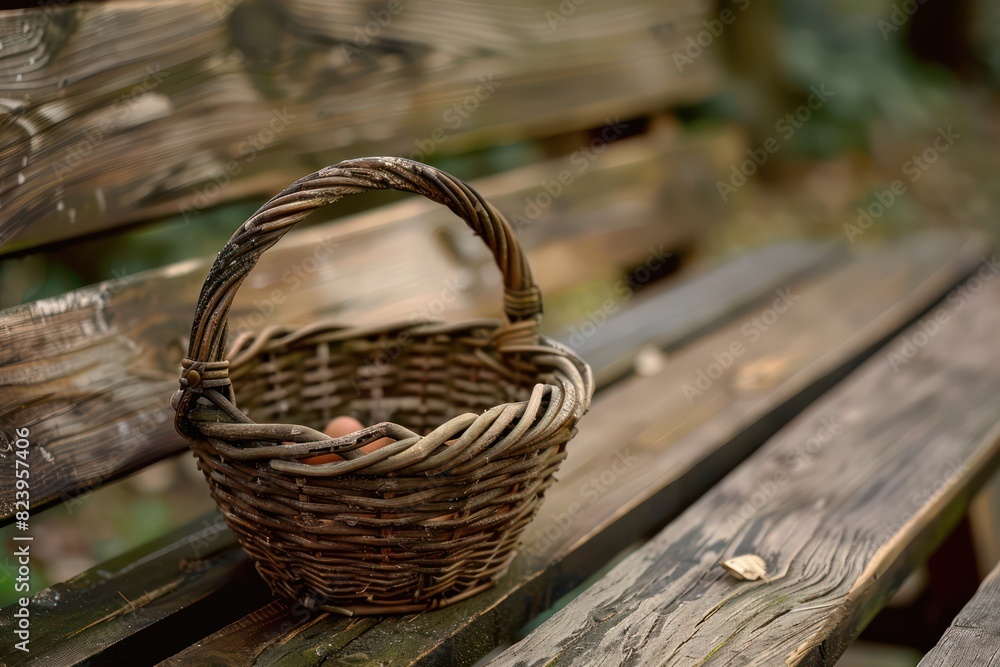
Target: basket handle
522 299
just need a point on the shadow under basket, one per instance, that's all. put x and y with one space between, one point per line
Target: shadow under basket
479 414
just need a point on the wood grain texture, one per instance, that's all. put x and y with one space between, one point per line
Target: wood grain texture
842 505
176 572
101 640
974 635
90 372
614 489
222 100
697 304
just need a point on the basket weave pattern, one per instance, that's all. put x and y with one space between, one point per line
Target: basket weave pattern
480 413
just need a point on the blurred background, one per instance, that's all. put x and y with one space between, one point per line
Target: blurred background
136 138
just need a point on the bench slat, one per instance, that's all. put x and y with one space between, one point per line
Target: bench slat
675 451
183 567
57 632
219 116
974 635
90 373
841 505
698 302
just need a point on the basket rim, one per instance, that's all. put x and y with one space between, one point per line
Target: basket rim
559 398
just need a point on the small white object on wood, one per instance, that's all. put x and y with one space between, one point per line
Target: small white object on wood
748 567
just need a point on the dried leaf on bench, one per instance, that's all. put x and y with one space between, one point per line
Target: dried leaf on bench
748 567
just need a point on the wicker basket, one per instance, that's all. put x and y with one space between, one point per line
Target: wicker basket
480 413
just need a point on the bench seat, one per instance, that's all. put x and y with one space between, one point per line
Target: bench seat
675 449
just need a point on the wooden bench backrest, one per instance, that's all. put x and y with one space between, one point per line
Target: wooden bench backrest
228 99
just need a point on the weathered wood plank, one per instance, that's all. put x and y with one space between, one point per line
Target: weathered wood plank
223 100
104 640
697 303
90 373
177 572
644 453
974 635
841 505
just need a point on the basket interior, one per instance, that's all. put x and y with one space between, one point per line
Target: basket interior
396 542
416 380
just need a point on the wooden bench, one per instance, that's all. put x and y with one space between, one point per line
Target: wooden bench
841 505
790 401
174 590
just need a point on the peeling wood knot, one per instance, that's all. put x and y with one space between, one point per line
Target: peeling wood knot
196 378
198 375
192 379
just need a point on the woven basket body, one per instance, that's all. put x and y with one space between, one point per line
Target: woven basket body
480 413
